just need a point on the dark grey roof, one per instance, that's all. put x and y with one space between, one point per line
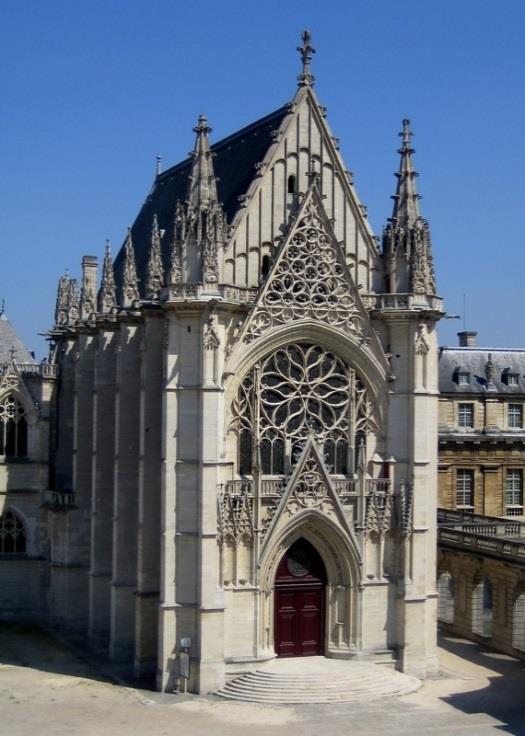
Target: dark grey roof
8 340
234 165
473 361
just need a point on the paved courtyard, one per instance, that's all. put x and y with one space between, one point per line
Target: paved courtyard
46 689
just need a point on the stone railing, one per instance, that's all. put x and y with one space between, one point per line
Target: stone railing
221 292
514 511
507 549
491 526
45 370
59 501
402 301
273 487
378 485
345 487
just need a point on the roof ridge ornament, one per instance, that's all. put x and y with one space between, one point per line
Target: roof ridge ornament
306 78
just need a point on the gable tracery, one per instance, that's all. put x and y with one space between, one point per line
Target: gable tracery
309 281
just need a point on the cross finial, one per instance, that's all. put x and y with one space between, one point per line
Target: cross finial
306 79
2 308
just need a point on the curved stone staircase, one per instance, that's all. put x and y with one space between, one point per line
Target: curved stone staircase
318 680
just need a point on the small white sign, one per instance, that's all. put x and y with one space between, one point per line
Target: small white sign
185 642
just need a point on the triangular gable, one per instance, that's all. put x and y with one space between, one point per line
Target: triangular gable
326 147
309 279
11 382
309 490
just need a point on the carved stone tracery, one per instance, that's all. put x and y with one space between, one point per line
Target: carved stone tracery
296 391
308 281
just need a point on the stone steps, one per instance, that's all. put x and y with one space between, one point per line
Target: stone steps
346 683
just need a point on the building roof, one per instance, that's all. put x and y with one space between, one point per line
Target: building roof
9 340
473 361
234 163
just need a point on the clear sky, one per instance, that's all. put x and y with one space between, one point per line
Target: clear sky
92 90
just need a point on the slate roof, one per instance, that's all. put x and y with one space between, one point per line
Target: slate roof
234 165
9 339
473 362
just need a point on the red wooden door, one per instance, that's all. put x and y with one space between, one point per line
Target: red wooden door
299 622
299 602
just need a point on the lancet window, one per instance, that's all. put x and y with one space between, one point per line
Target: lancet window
298 390
13 428
12 534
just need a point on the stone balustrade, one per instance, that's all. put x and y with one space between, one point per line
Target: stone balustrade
59 500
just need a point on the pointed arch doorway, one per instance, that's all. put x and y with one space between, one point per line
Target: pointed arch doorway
299 602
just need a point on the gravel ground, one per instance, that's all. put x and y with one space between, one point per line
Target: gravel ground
48 690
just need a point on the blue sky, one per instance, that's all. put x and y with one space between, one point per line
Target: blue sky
92 91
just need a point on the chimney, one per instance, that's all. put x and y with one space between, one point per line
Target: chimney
467 339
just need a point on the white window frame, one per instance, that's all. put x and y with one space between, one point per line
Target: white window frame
514 488
469 408
515 421
463 488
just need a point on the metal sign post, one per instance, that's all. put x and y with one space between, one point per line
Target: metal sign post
184 661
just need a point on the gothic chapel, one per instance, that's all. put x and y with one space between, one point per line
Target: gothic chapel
244 450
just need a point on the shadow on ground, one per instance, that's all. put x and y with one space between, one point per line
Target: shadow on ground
27 645
503 698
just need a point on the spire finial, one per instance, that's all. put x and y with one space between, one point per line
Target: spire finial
2 308
306 78
202 189
202 125
406 134
107 296
158 165
130 289
155 268
406 206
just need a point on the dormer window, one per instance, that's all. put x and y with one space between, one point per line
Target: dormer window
463 378
510 377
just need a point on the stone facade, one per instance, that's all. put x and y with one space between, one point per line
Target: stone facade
253 371
481 429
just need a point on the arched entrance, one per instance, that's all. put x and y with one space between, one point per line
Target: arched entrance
300 602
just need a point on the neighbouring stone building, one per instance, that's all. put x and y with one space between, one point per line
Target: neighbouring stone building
481 428
244 448
481 579
26 390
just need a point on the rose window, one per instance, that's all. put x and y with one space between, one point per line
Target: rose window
300 390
